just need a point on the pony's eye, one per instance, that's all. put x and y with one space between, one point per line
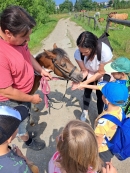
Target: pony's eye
63 64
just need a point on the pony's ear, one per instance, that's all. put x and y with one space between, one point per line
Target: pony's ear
54 46
50 54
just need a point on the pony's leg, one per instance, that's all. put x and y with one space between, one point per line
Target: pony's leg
31 120
34 108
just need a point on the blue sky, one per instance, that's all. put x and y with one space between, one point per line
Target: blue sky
61 1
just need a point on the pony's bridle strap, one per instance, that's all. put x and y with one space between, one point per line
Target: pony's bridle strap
62 70
72 70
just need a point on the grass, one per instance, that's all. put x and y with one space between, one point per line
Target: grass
119 38
43 31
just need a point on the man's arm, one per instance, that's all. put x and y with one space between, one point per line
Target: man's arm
14 94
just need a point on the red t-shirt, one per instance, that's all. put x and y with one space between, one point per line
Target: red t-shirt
16 69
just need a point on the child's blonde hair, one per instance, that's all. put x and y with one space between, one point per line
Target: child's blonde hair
78 148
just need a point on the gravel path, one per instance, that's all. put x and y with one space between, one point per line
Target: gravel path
48 126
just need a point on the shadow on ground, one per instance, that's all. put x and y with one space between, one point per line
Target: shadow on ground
42 157
72 101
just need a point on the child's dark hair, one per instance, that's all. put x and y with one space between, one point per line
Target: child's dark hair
78 148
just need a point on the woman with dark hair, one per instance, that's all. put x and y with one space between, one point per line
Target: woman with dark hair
92 67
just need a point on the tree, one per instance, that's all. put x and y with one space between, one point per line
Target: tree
66 6
6 3
50 7
83 5
110 3
77 6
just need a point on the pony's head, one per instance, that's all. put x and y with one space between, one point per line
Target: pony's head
58 61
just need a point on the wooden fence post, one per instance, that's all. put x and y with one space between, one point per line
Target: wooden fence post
107 25
94 23
122 22
88 21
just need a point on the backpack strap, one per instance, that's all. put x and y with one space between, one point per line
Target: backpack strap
114 119
99 48
103 38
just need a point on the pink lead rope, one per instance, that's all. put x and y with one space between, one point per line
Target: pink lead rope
45 89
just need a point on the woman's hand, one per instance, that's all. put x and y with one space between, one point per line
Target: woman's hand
46 74
85 73
109 168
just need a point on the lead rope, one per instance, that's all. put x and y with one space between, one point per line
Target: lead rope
45 88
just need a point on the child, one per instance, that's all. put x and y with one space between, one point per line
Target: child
12 161
77 150
119 69
114 96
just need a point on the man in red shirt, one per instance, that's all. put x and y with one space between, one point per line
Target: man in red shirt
17 65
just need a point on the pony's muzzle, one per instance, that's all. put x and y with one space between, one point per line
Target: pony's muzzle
80 77
77 77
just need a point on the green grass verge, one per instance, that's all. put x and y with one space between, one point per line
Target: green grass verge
119 37
39 34
42 32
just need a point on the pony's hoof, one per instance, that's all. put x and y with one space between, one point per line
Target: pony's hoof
32 123
35 109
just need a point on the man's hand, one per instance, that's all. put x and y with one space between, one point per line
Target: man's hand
36 99
46 74
109 168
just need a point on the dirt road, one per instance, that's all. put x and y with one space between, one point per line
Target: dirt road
48 126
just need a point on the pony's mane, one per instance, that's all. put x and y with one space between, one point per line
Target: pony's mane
60 52
57 51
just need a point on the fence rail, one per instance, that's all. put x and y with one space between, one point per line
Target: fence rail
96 23
122 22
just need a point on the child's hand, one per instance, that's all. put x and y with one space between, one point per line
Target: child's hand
109 168
79 86
74 86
